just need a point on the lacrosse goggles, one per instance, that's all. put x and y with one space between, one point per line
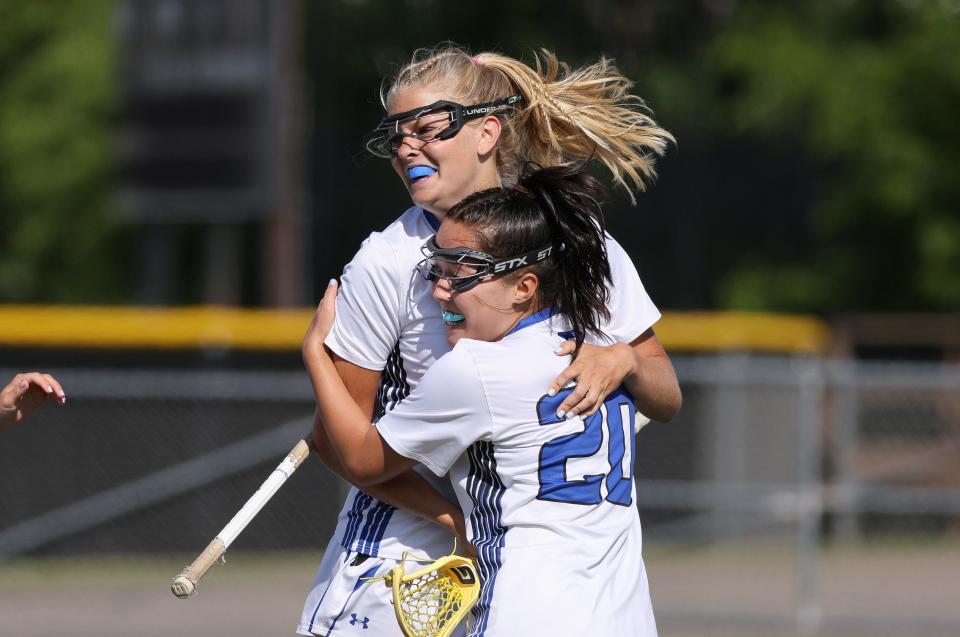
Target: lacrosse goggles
464 268
432 123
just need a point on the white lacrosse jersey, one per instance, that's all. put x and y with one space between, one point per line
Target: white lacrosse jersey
388 320
550 502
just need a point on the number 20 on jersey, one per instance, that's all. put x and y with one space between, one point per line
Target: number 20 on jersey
613 422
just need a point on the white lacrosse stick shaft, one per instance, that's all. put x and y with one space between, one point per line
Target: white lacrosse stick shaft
185 584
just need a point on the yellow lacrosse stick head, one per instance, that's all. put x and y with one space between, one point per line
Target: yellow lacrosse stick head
431 602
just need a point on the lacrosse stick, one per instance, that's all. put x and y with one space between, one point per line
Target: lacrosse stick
185 584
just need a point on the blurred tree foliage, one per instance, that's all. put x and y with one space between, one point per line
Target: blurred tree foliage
57 85
870 93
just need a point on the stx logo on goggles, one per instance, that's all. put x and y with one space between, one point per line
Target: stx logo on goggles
512 264
519 262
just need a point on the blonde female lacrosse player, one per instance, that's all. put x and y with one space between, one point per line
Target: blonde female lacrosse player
549 499
26 393
457 124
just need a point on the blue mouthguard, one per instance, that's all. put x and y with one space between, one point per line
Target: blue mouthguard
420 171
451 317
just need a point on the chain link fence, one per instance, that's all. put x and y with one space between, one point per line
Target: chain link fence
792 495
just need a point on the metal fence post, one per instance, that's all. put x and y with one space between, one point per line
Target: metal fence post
844 481
809 496
726 428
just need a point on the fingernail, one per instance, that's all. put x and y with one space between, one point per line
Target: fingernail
49 390
552 392
570 415
332 282
561 413
559 350
63 399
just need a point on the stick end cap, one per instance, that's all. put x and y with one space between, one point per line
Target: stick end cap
182 587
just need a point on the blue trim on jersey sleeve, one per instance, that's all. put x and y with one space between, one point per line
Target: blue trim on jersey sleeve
533 319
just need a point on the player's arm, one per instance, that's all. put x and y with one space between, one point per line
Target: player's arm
434 425
408 490
652 381
642 367
362 456
362 386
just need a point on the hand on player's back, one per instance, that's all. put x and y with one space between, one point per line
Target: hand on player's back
597 370
25 393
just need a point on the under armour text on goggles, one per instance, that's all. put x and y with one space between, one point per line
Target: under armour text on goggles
464 267
386 138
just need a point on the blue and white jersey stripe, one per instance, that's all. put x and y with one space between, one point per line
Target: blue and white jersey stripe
393 387
360 503
377 520
366 524
486 490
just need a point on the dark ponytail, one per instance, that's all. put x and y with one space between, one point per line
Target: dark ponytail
558 206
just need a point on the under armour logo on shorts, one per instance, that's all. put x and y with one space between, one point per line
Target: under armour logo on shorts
354 620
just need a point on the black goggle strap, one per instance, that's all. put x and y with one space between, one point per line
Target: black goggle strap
524 260
462 284
463 114
481 110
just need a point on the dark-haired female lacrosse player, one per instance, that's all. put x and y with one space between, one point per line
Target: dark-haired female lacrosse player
457 124
549 499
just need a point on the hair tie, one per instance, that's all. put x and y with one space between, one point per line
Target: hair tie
476 60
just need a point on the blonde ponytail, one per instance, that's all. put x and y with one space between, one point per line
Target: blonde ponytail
568 116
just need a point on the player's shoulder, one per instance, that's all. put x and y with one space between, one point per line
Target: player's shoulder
454 376
518 355
460 363
473 361
400 242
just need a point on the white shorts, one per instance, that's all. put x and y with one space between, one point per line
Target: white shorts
342 602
